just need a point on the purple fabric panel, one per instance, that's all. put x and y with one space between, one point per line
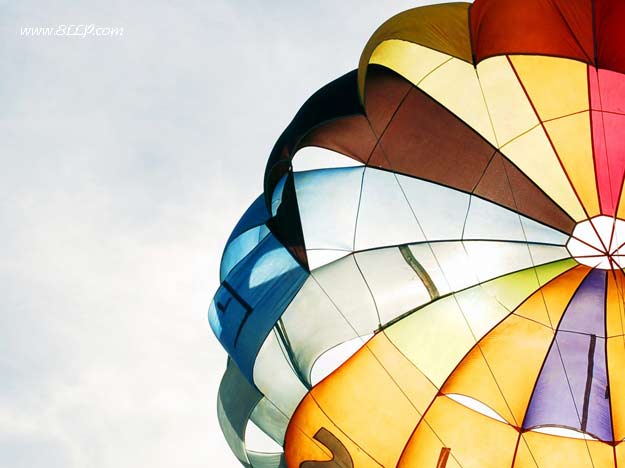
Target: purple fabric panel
586 312
571 390
599 420
552 402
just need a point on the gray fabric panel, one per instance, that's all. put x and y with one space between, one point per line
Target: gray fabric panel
268 418
235 402
267 460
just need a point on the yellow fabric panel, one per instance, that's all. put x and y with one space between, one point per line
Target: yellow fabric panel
413 383
456 86
508 106
475 440
523 457
512 289
482 310
444 28
534 155
412 61
299 443
434 338
555 451
548 304
572 140
556 86
361 397
621 206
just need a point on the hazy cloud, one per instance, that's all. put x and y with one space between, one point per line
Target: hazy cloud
126 162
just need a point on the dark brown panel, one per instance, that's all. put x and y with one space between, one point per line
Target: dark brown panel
385 92
335 100
427 141
351 136
340 455
507 185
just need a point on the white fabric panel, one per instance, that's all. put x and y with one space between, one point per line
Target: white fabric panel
385 217
489 221
313 157
319 258
395 286
333 306
275 378
328 204
335 357
458 265
256 440
546 253
395 210
439 210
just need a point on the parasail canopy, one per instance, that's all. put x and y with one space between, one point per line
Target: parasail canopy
443 288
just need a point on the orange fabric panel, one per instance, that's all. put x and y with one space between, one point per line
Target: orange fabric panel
616 376
547 450
560 28
615 304
615 326
515 351
377 388
619 451
300 445
475 440
502 369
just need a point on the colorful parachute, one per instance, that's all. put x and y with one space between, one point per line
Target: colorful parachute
467 257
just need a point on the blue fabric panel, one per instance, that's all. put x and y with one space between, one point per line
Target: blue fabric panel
276 198
238 248
252 298
255 215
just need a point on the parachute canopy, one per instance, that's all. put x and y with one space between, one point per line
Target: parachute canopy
442 286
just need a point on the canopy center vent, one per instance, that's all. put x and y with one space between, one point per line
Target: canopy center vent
599 242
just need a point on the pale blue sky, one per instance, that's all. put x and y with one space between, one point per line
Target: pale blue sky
126 162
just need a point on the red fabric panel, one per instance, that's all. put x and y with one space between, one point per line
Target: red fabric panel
609 148
607 90
543 27
607 96
610 34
